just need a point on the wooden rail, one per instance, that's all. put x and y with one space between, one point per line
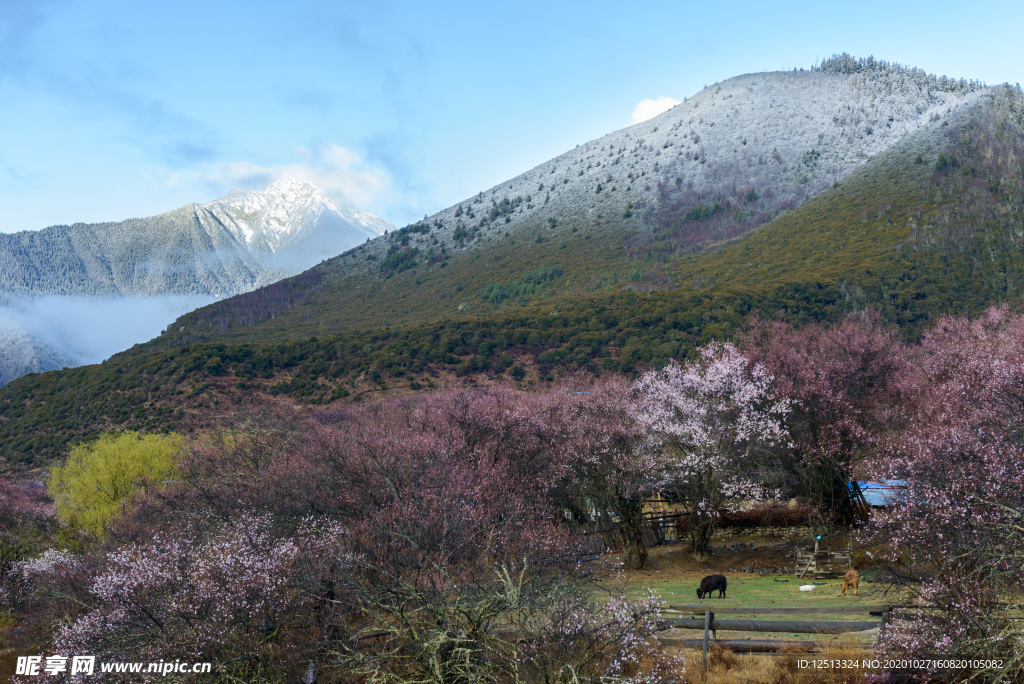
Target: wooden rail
710 625
791 610
754 645
791 626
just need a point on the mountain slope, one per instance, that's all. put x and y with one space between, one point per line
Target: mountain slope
752 146
804 133
177 260
932 224
221 248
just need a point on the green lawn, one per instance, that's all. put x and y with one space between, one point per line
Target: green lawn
768 591
756 591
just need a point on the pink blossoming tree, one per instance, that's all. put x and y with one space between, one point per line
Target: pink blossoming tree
955 536
848 385
403 541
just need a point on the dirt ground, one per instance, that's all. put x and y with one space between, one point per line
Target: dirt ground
730 556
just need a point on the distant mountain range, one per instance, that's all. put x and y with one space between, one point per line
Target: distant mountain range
198 252
222 248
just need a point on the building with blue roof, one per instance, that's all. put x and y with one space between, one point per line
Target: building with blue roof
881 493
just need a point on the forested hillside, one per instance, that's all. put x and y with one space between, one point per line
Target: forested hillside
575 243
915 233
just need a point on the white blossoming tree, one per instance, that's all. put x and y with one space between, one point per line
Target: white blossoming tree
716 417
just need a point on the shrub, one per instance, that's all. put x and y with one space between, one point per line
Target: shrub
90 488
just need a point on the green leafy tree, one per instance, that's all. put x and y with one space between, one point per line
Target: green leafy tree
89 489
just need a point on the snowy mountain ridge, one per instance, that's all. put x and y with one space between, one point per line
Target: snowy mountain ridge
136 276
221 248
268 220
759 143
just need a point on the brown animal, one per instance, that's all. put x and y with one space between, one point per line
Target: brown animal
852 579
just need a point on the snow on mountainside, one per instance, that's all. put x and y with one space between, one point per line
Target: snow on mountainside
193 254
22 352
272 219
225 247
754 145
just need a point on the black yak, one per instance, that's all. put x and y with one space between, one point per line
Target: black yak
712 583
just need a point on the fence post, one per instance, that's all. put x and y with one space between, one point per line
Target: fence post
707 627
885 621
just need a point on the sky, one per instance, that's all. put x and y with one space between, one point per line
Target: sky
112 110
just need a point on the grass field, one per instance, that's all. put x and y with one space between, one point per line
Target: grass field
675 575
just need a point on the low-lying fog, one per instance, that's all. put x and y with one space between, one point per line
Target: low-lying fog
51 332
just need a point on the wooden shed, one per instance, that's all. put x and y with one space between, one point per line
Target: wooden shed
820 562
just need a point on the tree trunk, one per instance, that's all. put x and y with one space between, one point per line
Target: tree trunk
632 525
635 553
827 485
700 536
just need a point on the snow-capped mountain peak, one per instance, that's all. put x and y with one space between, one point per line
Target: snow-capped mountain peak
239 242
290 187
271 219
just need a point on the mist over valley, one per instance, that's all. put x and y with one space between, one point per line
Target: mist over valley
72 295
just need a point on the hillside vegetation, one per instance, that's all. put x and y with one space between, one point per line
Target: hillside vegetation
931 226
374 541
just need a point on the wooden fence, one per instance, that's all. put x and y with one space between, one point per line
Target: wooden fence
710 624
820 563
658 529
663 526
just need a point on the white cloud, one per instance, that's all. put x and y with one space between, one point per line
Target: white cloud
652 107
336 170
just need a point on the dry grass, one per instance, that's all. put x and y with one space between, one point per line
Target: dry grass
8 654
726 667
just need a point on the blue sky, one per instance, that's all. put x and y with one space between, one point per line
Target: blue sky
110 110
